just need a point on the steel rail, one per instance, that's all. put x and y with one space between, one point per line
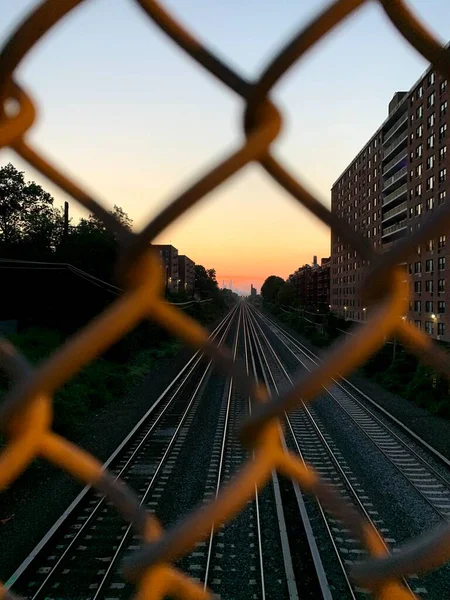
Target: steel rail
222 450
221 329
247 351
271 384
126 535
407 448
350 488
268 376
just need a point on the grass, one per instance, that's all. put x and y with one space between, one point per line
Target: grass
98 384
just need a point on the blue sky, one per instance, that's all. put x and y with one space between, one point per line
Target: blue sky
135 120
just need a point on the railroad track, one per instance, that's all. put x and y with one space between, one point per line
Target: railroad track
79 557
282 545
267 551
422 472
301 555
400 449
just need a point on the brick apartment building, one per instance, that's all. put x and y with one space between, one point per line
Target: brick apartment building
186 273
169 258
396 180
312 284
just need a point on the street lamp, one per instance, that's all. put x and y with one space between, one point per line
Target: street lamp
345 308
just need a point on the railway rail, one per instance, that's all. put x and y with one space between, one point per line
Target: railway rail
282 545
81 551
253 556
406 454
421 471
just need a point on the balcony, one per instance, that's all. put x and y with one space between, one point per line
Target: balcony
394 228
394 211
403 119
401 156
387 184
389 149
395 194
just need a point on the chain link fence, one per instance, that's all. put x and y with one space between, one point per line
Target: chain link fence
26 411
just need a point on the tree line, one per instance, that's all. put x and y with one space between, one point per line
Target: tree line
33 228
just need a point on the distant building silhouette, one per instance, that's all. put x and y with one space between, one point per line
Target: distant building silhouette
169 257
253 291
186 273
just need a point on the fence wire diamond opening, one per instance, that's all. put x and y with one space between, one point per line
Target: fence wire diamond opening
26 410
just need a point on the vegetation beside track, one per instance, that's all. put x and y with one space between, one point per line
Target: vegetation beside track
393 367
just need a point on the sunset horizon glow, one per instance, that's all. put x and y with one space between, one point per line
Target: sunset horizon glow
135 122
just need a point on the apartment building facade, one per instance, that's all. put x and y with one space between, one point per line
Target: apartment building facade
169 258
399 178
312 284
186 273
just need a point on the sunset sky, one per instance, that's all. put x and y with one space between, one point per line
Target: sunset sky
135 120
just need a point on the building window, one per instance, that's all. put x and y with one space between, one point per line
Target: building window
441 285
442 175
442 240
443 86
419 131
410 268
419 170
430 100
441 307
442 131
429 265
419 112
442 196
418 324
418 267
430 121
419 190
430 245
443 153
419 151
444 107
430 182
430 162
441 263
441 329
431 78
417 305
429 306
417 287
430 141
430 203
418 210
429 327
429 286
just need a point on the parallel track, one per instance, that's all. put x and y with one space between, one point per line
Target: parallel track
82 549
306 435
302 558
430 483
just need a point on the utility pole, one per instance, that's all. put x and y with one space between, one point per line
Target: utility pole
66 221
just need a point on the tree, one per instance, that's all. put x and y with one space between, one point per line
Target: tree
30 226
287 294
271 287
93 247
205 280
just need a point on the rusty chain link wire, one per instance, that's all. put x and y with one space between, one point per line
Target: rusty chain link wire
26 411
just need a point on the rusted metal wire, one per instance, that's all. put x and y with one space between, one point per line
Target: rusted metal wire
26 411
